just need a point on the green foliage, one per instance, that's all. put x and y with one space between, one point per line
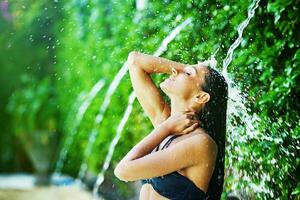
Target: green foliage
34 115
27 40
33 107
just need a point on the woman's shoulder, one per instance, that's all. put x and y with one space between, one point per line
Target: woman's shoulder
204 138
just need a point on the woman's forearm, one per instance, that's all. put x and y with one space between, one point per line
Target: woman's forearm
141 149
147 144
153 64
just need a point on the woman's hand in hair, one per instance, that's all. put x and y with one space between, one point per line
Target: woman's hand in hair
182 123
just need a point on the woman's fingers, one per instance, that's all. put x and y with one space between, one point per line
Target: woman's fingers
191 128
191 122
187 121
190 116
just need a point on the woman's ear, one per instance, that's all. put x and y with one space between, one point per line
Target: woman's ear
202 97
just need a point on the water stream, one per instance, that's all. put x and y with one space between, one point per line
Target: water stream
236 108
78 118
94 133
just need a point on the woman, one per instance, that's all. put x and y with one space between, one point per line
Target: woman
189 136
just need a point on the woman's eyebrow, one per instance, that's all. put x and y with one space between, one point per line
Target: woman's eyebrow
188 67
194 69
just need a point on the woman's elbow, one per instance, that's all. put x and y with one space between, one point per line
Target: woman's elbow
120 173
132 57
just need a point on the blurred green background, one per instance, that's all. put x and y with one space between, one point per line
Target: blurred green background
51 51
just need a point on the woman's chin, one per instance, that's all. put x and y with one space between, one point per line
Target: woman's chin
166 89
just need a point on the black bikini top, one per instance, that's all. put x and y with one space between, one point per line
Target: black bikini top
175 186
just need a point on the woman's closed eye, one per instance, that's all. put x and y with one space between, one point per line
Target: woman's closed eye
188 73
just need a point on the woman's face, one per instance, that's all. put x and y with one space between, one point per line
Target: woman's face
185 83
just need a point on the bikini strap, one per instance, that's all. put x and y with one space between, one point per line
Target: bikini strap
169 141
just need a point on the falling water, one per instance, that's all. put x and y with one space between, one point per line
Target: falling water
236 108
171 36
65 145
158 52
82 109
241 27
93 135
100 177
212 62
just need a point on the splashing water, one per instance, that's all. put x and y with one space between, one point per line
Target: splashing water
212 62
82 109
237 108
158 52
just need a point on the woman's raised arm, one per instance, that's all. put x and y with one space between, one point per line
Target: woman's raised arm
140 67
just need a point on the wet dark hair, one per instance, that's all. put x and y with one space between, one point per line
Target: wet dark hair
213 120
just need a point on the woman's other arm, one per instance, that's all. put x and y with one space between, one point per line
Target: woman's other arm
153 64
138 163
199 148
140 67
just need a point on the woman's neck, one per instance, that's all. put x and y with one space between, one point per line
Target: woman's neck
179 106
